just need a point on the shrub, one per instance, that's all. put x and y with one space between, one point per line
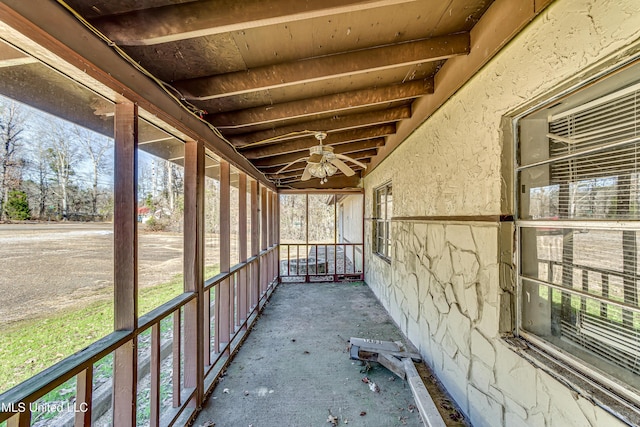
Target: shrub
17 206
154 224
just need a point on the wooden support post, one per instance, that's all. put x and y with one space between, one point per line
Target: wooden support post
84 397
21 419
177 334
243 305
223 295
194 321
255 244
125 261
264 225
154 372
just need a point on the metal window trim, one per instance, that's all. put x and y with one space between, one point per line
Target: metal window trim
596 102
380 195
612 225
594 376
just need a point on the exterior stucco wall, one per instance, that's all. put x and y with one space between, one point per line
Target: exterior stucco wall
443 286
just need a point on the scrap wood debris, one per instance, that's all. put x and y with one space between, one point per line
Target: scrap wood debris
332 419
372 386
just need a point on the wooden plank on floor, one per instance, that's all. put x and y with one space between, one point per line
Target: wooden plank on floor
393 364
375 346
428 410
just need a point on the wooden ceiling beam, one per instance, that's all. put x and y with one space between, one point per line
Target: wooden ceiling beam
334 103
204 18
325 67
305 143
363 146
10 57
333 124
336 181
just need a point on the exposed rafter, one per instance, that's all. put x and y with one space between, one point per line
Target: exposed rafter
308 142
323 105
332 124
336 181
205 18
325 67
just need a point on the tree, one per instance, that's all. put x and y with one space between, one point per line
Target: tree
17 206
38 176
63 156
11 126
98 148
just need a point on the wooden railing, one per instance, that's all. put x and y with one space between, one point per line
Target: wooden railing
321 262
236 298
612 335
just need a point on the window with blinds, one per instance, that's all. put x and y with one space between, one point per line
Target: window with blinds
382 226
578 198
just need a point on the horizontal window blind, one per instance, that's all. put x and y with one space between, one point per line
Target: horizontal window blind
579 283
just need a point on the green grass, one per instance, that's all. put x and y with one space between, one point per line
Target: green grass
28 347
593 306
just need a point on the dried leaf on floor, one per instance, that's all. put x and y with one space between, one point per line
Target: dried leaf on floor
365 380
332 420
411 408
363 413
208 424
403 420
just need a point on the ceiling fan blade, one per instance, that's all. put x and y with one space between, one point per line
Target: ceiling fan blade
315 158
295 161
306 175
342 166
342 156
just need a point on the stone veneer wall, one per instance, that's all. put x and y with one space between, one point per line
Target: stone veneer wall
442 286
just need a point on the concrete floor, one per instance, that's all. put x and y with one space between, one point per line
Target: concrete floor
294 368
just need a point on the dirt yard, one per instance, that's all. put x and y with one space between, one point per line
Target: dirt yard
48 267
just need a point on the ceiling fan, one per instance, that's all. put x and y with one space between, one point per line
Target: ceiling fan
323 162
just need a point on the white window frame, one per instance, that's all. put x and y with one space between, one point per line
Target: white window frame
382 222
613 387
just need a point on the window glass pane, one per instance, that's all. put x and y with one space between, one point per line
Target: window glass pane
160 217
211 216
601 262
293 218
556 192
603 335
57 273
389 212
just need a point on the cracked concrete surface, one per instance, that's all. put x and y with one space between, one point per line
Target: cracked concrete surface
294 368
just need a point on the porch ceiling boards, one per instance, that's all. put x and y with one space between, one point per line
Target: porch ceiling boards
267 74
